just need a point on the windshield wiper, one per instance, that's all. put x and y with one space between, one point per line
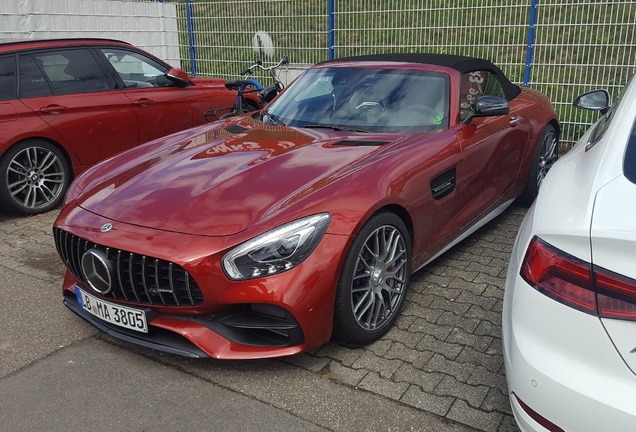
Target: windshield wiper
335 127
274 118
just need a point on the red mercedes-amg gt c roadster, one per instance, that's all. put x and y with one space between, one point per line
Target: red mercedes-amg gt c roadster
269 233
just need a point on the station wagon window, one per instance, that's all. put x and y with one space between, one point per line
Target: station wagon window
32 81
475 84
67 71
7 78
136 70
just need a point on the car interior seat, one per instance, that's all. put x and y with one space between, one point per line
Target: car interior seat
87 77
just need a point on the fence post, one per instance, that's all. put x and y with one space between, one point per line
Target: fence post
332 28
529 49
193 50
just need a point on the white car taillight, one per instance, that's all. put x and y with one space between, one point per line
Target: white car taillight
578 284
616 295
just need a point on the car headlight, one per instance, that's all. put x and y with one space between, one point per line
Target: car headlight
277 250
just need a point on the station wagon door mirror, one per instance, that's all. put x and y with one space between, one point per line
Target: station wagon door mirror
489 106
179 77
595 100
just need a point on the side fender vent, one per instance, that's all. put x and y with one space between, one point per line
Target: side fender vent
358 143
236 129
444 184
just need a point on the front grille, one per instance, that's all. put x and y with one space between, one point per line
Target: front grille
137 278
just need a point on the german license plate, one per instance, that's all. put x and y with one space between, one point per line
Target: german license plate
122 316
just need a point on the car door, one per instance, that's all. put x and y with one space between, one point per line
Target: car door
160 105
17 121
492 146
13 114
72 93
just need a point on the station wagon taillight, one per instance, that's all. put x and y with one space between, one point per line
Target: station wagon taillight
578 284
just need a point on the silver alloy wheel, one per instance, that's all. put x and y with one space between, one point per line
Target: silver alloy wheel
380 278
35 177
549 155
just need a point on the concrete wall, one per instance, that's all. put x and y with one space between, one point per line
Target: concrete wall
148 25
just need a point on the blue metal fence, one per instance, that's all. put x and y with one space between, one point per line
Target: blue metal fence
529 51
191 37
560 47
332 29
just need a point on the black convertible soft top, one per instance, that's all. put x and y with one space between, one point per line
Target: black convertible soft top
462 64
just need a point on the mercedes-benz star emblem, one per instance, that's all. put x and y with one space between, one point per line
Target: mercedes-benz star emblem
106 227
97 270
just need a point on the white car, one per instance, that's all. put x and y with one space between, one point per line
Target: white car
569 317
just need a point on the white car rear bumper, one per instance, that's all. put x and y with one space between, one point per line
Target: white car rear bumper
561 364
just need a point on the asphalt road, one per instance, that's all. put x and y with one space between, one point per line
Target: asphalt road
440 369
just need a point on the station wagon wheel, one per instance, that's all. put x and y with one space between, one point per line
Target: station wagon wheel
35 176
373 281
545 155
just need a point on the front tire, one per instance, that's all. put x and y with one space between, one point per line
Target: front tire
373 281
35 176
545 155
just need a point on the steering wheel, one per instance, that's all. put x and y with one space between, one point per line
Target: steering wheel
369 106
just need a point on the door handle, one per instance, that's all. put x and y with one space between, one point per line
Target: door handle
515 120
143 102
53 109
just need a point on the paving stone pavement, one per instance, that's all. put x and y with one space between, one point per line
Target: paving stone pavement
443 356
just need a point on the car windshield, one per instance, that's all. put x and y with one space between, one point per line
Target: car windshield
365 100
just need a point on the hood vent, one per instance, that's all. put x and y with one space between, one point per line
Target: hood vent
236 129
358 143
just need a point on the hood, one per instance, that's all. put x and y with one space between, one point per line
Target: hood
218 179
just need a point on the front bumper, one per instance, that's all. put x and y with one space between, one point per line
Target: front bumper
169 342
272 316
190 336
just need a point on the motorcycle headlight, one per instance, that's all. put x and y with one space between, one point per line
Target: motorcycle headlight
277 250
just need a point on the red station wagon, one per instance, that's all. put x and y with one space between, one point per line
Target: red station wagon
66 104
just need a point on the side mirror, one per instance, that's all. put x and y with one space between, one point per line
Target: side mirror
596 100
179 77
489 106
